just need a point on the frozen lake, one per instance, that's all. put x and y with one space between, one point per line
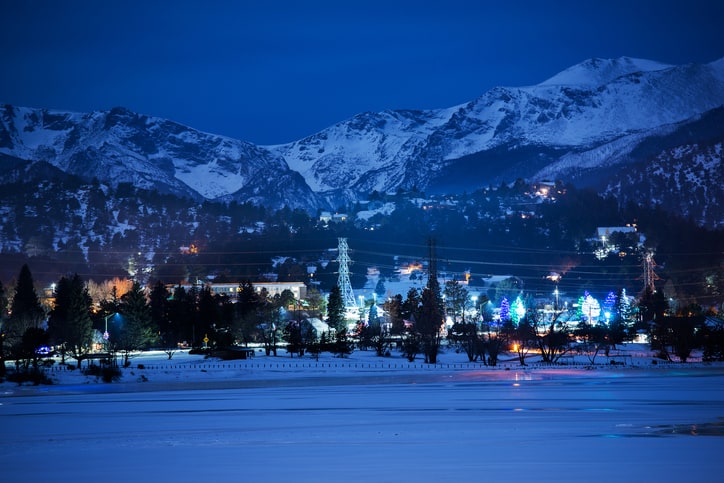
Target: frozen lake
466 425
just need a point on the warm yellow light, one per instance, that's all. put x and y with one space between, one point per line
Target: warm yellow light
515 347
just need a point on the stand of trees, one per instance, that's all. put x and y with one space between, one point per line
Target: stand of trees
141 318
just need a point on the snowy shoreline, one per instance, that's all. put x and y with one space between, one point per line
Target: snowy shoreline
153 371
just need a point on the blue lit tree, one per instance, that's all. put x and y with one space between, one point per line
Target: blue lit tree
609 306
504 310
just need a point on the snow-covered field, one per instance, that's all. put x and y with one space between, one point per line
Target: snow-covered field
366 419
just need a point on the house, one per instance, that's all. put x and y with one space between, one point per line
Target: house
603 233
298 289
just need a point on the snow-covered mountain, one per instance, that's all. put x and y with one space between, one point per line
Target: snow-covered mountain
120 146
584 124
589 115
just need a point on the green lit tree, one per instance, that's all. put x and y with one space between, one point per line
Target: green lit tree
517 310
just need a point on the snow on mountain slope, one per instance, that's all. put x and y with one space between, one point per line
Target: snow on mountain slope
597 72
340 155
598 106
688 169
152 153
591 116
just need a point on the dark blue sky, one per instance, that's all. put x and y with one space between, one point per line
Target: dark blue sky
275 71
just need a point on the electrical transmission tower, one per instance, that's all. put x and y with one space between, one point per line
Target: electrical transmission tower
649 275
345 286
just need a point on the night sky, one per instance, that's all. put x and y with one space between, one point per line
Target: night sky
275 71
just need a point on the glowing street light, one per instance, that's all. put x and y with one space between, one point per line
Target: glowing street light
106 335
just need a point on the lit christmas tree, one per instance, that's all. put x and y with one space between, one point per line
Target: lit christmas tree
517 310
590 308
609 307
623 306
579 309
504 310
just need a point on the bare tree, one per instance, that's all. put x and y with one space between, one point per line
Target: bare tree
522 336
553 341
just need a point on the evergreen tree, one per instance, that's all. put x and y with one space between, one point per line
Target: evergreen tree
431 315
134 330
372 316
247 312
269 321
160 315
158 301
69 323
504 310
457 300
411 306
516 309
316 301
182 315
429 323
3 319
58 316
25 309
315 348
342 345
380 289
393 308
623 306
3 304
32 340
410 346
293 336
609 307
335 309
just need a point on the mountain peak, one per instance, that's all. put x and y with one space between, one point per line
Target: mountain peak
595 72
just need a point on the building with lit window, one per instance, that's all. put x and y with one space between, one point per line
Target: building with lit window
298 289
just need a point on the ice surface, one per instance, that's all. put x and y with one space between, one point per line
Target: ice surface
298 420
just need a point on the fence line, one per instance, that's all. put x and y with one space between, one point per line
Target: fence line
292 365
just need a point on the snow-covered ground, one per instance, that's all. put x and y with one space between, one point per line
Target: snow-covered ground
366 419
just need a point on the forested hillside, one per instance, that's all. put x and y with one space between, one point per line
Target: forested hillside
64 226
